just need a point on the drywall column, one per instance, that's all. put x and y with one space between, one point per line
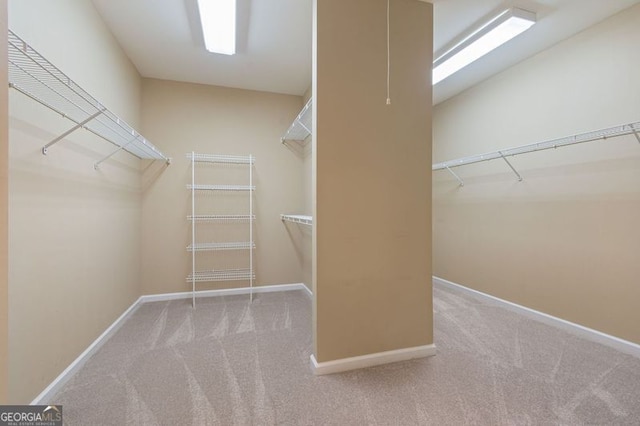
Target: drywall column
4 155
372 180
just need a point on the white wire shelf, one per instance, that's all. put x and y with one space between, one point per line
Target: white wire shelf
221 246
242 274
597 135
223 159
33 75
246 217
300 129
222 187
297 218
222 218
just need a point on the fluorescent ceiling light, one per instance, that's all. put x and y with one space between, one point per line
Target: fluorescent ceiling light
218 19
489 36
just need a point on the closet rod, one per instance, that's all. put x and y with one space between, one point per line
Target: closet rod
603 134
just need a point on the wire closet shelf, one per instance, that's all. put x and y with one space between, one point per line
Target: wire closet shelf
300 129
201 187
242 274
221 218
597 135
33 75
297 218
221 246
221 159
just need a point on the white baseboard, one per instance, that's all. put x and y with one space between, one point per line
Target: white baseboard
68 372
64 377
307 289
223 292
371 360
596 336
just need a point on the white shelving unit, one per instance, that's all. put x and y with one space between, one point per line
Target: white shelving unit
221 246
199 220
298 133
33 75
241 274
300 129
597 135
221 187
297 218
221 218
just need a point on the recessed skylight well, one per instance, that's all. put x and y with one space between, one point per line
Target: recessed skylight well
218 19
478 43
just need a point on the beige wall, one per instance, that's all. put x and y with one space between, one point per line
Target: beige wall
372 205
74 233
183 117
564 241
4 155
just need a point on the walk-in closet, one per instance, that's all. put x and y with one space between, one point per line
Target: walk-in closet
320 212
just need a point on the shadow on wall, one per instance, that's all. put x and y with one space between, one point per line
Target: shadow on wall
300 149
300 236
150 172
31 159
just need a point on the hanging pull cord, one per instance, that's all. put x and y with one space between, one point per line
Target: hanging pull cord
388 59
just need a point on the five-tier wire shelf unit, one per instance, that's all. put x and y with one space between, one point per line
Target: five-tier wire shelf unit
222 218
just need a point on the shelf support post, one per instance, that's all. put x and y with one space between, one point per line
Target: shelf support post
455 175
250 229
45 148
509 164
193 229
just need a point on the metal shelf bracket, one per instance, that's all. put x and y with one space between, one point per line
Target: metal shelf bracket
96 166
635 133
45 149
455 175
509 164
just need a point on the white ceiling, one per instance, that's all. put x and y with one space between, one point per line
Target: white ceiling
163 39
556 21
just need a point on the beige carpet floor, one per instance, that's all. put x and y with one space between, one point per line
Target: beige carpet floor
233 363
